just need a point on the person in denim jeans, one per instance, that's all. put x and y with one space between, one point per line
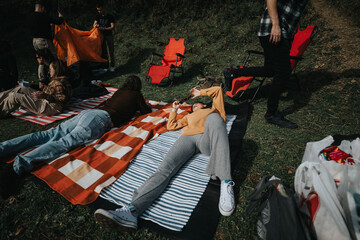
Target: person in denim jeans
83 128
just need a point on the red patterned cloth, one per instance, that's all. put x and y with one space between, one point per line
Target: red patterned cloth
80 175
73 108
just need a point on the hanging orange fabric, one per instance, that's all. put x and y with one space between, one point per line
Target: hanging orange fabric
73 45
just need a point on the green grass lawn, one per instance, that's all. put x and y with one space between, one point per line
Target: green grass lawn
216 38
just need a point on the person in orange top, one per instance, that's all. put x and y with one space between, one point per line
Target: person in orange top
203 131
194 123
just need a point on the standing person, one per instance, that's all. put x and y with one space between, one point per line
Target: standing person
81 129
49 101
41 32
278 26
203 131
106 23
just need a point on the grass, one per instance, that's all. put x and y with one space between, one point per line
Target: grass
216 37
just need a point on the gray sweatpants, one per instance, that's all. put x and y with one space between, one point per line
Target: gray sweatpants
214 142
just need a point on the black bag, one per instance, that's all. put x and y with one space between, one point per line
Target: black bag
279 217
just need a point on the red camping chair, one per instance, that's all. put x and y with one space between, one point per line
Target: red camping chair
170 65
301 40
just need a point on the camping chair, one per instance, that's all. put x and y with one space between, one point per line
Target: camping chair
171 63
301 40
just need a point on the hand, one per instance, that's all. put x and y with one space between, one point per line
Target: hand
37 95
195 92
176 105
275 35
59 14
42 85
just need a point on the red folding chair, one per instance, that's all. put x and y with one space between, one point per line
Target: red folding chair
301 41
171 63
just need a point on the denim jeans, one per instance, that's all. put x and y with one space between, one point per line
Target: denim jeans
83 128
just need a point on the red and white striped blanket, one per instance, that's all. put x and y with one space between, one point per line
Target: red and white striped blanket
82 173
73 108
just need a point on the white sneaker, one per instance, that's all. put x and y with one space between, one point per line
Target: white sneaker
112 69
120 219
226 201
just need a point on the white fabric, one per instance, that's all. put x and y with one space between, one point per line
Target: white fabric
319 202
349 196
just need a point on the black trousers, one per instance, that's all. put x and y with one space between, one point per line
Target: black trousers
276 65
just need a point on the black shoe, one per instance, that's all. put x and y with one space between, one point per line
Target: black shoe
229 76
280 121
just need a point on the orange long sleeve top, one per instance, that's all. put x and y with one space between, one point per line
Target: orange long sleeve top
194 123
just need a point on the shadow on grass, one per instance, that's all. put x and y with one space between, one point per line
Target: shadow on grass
133 65
310 82
190 73
248 153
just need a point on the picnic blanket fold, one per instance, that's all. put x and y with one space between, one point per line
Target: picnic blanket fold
80 175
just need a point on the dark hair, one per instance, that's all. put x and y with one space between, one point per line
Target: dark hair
45 54
132 83
59 67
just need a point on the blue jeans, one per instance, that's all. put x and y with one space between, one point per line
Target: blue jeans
85 127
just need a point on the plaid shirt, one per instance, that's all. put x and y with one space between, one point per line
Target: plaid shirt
58 91
289 12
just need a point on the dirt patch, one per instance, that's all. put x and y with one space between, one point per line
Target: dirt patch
341 37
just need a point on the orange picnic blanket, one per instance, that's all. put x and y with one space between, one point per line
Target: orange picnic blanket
81 174
73 45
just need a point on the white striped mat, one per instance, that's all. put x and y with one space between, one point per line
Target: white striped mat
173 208
74 108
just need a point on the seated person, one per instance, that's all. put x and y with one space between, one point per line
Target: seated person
203 131
83 128
44 58
49 101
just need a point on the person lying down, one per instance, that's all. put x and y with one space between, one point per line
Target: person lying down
203 131
81 129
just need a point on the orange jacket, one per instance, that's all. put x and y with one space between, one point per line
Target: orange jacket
194 123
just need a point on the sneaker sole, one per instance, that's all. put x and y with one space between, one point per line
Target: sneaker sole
226 213
108 221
